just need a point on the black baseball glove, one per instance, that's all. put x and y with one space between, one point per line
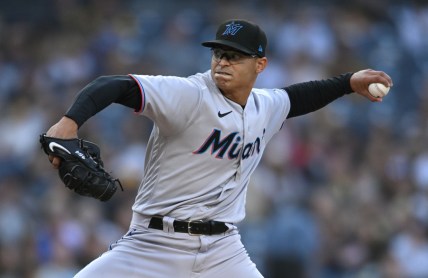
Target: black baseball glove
81 167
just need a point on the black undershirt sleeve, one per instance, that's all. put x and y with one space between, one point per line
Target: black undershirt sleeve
310 96
102 92
122 89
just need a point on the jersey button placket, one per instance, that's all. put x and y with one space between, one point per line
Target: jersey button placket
239 169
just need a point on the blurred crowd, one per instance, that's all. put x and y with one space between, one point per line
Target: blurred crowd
341 192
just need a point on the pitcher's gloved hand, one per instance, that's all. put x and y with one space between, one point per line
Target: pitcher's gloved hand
81 167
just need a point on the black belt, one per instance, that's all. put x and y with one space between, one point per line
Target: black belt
192 227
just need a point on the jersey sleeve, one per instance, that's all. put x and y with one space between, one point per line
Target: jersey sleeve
277 103
169 101
282 107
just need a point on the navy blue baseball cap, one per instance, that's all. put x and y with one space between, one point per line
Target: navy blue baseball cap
241 35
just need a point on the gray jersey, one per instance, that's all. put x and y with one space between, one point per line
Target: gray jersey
203 147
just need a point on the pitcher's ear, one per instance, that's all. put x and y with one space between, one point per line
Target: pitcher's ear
261 64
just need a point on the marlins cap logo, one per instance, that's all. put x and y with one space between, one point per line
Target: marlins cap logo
232 28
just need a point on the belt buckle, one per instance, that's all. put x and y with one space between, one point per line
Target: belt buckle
189 227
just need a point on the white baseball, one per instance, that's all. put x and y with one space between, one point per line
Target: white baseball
378 90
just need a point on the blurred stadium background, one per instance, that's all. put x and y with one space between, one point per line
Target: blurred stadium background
342 192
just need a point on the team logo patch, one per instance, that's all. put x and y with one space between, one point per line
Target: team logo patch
232 29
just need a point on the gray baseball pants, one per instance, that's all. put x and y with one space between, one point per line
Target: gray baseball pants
152 253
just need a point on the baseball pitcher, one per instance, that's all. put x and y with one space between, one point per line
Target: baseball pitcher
210 132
